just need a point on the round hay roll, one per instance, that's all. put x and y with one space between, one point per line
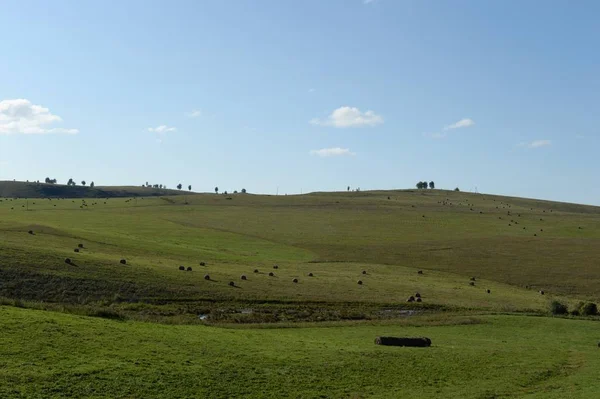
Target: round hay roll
189 269
181 267
472 283
243 277
472 278
206 277
231 284
202 264
419 299
310 275
68 261
295 280
410 299
255 270
364 272
79 245
359 282
541 292
275 267
123 262
76 250
271 274
420 272
417 295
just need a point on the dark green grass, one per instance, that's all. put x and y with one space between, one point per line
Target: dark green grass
45 354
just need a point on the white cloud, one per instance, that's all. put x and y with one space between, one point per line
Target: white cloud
539 143
349 117
20 116
461 123
162 129
194 114
332 152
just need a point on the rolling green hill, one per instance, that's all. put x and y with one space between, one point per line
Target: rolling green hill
18 189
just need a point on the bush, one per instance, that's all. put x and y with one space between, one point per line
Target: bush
557 307
588 309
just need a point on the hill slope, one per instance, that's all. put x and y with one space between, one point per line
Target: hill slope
18 189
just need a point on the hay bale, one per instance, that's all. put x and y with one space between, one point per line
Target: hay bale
310 275
30 232
472 284
419 300
68 261
76 250
206 277
472 278
541 292
181 267
123 262
417 295
243 277
488 291
231 284
202 264
359 282
364 272
271 274
410 299
420 342
420 272
79 245
255 270
189 269
295 280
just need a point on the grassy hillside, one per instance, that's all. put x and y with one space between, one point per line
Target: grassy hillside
45 354
18 189
450 236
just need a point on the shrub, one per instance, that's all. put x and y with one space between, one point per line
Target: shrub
588 309
557 308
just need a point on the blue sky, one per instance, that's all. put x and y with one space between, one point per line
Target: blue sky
304 95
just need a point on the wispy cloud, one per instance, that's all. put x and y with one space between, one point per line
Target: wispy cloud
461 123
194 114
535 144
332 152
162 129
20 116
349 117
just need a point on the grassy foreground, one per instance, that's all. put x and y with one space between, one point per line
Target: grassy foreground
46 354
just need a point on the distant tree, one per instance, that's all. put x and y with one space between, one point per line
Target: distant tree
52 181
92 184
216 190
235 192
456 189
179 186
348 189
420 185
70 182
160 186
147 185
155 186
83 182
225 192
431 185
190 187
243 191
47 180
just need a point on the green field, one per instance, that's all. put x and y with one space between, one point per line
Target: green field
162 332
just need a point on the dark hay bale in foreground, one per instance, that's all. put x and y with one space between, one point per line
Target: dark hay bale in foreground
472 283
231 284
359 282
255 270
420 342
417 295
181 267
189 269
275 267
420 272
364 272
271 274
243 277
310 274
68 261
30 232
295 280
202 264
410 299
206 277
123 262
488 291
542 292
76 250
79 245
419 299
472 278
